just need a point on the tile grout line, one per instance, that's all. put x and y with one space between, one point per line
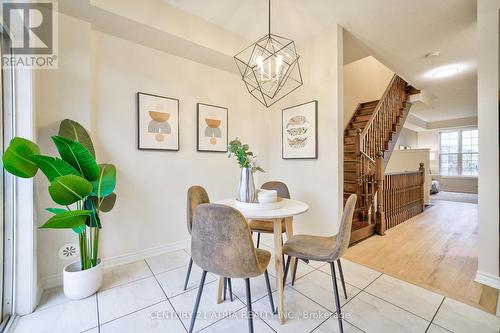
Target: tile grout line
345 320
364 290
435 314
131 313
225 317
98 317
164 293
189 290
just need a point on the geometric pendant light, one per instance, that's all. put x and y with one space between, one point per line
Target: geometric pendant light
270 67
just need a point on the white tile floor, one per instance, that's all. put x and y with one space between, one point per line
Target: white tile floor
148 296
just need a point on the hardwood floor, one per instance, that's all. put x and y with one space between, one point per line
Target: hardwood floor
436 250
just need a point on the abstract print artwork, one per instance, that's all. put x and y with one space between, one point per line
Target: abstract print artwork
300 131
212 128
158 122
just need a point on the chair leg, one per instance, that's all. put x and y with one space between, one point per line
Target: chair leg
287 266
249 306
337 300
197 303
295 270
188 273
225 288
258 239
230 289
269 292
342 277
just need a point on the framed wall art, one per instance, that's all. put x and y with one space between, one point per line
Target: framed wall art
300 131
211 128
158 122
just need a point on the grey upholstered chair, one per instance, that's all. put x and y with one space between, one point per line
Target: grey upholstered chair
328 249
197 195
221 243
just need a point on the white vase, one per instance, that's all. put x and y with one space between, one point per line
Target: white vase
246 188
80 284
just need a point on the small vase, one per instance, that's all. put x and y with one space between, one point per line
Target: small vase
246 190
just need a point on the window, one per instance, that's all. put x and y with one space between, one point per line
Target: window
458 152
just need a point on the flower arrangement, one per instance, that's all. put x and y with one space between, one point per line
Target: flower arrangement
244 156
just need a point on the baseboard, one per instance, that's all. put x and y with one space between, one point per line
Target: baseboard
488 279
55 280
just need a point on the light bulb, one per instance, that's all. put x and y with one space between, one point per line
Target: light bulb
260 64
279 63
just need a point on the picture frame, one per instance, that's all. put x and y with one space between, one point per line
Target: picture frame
299 131
157 122
211 128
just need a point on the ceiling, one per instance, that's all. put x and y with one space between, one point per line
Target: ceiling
396 32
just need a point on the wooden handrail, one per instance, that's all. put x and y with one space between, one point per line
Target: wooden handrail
378 107
378 129
368 157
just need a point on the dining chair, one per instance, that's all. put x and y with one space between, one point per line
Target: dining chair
196 196
326 249
222 244
267 227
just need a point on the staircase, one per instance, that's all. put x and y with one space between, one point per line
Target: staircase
369 140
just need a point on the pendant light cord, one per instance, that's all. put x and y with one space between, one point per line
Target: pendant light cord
269 17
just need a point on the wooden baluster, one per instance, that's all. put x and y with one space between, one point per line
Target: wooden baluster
422 183
379 177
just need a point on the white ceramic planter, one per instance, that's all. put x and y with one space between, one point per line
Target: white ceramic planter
79 284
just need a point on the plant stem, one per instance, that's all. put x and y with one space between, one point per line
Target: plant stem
96 246
82 259
84 250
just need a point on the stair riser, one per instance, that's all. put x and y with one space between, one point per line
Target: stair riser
358 125
350 187
364 117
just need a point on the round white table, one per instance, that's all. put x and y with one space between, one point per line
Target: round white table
290 208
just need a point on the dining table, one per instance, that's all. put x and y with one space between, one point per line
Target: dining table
286 211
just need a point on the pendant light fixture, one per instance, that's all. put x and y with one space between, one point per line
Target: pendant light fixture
270 67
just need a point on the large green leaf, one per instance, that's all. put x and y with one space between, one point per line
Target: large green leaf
79 229
105 184
68 189
67 220
16 159
56 210
93 220
53 167
107 203
78 156
72 130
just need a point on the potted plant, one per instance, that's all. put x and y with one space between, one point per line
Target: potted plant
248 164
81 187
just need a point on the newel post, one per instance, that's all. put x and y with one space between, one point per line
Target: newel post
379 177
422 183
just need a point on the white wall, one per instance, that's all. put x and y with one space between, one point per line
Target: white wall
407 138
317 182
364 80
96 84
430 139
488 118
